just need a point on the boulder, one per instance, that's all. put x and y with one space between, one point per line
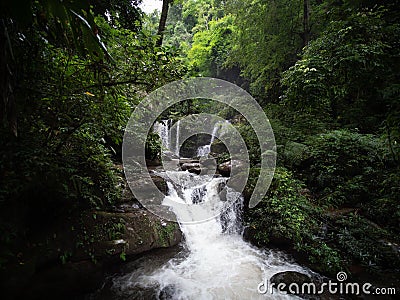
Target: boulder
297 283
225 168
289 277
191 167
126 233
218 147
69 258
160 183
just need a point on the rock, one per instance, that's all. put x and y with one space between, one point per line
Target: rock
276 240
225 168
129 233
153 163
218 147
302 285
191 167
63 281
289 277
167 293
160 183
168 155
184 160
248 235
222 191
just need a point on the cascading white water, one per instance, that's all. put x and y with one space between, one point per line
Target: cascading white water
162 129
178 123
205 150
218 263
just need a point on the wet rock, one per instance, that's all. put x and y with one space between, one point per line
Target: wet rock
160 183
153 163
304 285
187 160
225 168
192 167
167 293
248 235
218 147
128 233
289 277
208 163
168 155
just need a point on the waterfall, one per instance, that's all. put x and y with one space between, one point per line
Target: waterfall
216 262
177 138
162 128
205 150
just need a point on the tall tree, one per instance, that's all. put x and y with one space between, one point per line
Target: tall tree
306 22
163 21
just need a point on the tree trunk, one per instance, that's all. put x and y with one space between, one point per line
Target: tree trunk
163 21
306 22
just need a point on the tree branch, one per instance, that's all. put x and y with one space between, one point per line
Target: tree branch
114 83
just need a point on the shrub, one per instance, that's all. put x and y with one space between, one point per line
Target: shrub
286 213
345 167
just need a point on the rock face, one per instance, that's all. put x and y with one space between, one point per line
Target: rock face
77 250
160 183
129 233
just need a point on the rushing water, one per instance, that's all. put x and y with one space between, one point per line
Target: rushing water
178 125
162 129
205 150
215 263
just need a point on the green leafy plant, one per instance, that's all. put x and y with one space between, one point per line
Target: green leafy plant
345 166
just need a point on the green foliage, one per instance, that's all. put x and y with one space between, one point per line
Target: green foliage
65 256
122 256
116 230
295 154
68 23
365 242
252 143
266 41
345 166
72 111
387 202
166 233
119 13
211 46
286 213
72 102
349 73
153 147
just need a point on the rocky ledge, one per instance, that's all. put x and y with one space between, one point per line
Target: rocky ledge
70 258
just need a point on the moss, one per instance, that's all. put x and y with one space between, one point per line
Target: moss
166 233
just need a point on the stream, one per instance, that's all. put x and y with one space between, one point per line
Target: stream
213 262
